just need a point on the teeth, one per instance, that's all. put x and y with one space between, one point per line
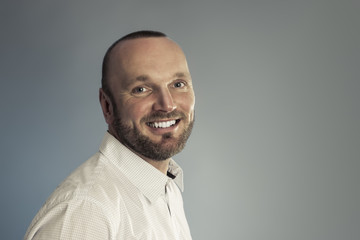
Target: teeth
162 124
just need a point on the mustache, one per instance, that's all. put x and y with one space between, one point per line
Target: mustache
157 116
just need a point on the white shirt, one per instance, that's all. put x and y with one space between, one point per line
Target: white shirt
114 195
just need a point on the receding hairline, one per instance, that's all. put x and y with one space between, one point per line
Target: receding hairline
119 45
135 35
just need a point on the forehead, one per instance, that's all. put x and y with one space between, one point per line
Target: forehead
158 56
146 47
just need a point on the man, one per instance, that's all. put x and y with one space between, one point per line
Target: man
130 188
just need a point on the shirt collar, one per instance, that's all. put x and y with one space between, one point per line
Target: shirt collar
149 180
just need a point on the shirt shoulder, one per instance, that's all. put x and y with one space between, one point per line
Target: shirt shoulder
89 197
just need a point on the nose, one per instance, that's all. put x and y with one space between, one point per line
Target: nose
164 101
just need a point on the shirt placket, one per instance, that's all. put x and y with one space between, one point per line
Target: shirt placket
167 200
169 203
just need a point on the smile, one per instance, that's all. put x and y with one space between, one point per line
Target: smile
165 124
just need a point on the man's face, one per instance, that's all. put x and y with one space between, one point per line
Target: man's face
153 97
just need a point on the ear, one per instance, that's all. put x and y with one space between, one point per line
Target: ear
106 106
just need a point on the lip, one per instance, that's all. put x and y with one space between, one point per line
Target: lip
161 130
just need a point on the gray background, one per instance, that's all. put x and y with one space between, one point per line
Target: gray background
275 149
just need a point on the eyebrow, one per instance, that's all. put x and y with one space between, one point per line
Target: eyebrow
181 75
144 78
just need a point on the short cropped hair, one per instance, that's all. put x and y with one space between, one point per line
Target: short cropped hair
105 65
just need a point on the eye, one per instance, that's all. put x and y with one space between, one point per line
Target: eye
179 84
139 90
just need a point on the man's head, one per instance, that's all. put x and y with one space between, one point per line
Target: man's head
147 95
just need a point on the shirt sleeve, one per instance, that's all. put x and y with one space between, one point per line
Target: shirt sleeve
76 219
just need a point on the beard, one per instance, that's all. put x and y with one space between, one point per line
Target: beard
143 145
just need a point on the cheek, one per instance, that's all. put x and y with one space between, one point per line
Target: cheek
134 112
187 105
